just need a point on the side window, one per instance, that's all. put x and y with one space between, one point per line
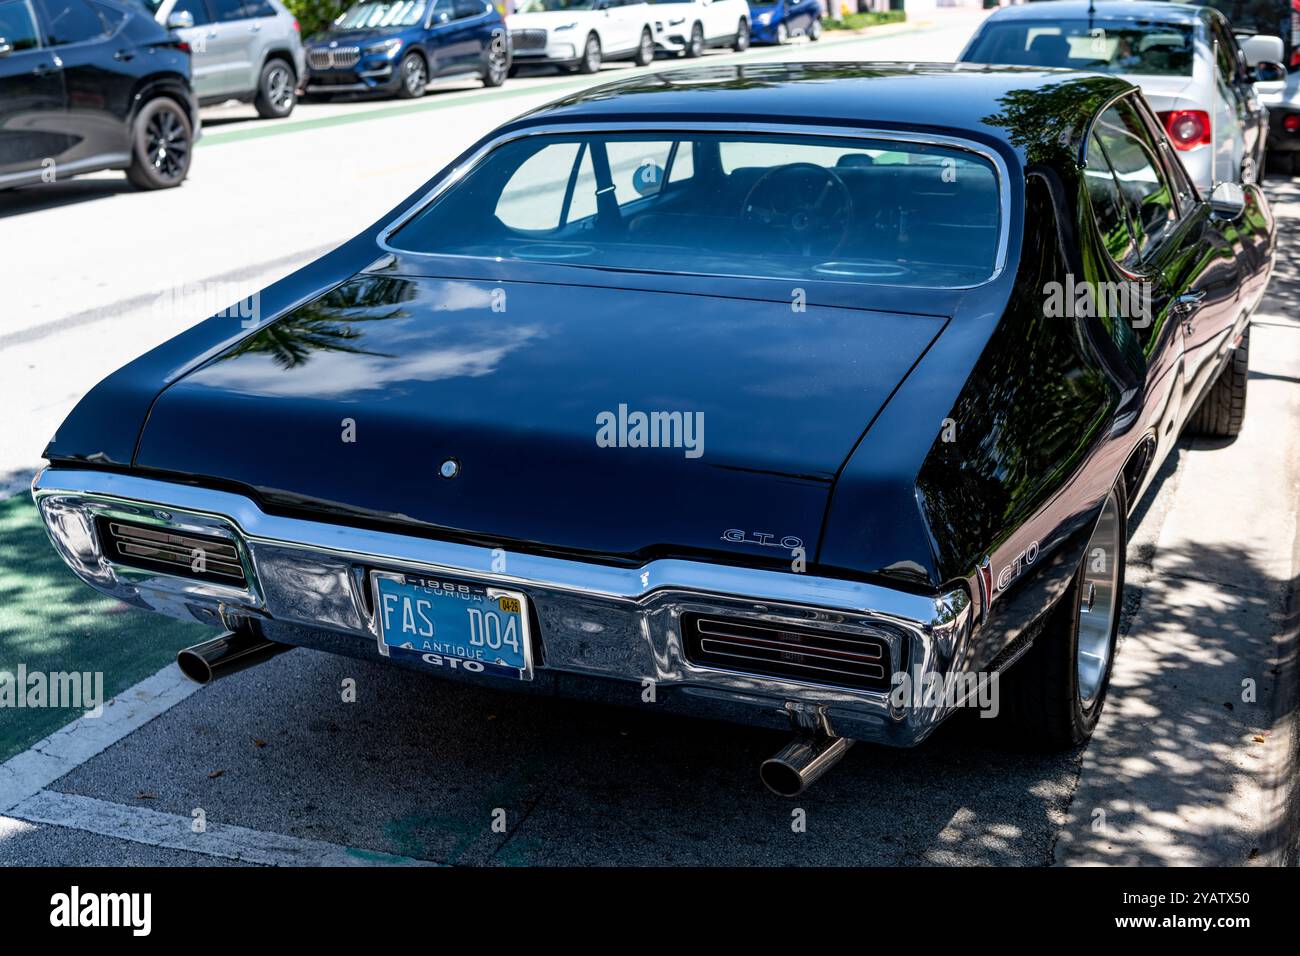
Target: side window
195 8
72 21
683 165
1226 55
113 17
18 25
442 11
1145 192
226 11
1106 204
464 9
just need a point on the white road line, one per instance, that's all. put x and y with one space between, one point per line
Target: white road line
153 828
60 753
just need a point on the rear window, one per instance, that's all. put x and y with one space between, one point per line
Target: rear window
853 210
1107 46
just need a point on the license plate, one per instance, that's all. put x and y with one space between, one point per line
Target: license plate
453 625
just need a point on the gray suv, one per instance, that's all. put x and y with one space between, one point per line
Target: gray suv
246 50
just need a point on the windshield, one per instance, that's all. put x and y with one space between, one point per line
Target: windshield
361 16
1110 46
849 210
554 6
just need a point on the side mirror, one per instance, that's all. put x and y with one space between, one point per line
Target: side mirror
180 20
5 47
1227 201
1262 48
1267 72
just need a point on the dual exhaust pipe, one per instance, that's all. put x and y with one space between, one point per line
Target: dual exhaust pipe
788 773
230 653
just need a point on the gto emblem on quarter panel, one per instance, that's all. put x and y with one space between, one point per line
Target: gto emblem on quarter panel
763 538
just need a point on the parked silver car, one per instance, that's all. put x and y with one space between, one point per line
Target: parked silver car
1185 58
247 50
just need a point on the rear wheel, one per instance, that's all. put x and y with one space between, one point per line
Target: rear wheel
645 51
1223 410
815 31
162 142
277 90
696 45
413 76
741 43
590 62
1053 695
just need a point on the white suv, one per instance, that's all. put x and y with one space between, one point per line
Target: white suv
581 34
689 26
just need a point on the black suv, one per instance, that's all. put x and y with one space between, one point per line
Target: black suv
87 85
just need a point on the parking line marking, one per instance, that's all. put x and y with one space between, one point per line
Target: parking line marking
174 832
28 773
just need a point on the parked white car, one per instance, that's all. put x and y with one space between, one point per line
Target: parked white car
1188 64
691 26
581 34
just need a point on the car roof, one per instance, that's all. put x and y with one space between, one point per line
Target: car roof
1157 10
1019 107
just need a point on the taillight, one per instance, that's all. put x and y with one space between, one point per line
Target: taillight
1187 128
296 28
1291 123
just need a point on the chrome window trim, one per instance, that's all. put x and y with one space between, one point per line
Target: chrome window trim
824 132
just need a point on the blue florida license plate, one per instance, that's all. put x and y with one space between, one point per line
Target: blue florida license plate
453 625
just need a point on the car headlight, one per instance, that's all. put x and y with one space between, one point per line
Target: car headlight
566 26
765 18
678 22
386 47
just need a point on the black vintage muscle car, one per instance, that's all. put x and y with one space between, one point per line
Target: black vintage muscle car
811 396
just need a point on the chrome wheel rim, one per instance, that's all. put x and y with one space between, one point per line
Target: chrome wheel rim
592 53
167 145
697 40
782 33
1099 600
279 88
647 47
415 81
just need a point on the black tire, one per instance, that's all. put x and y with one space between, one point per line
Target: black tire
815 30
645 51
1041 701
162 144
409 72
497 66
277 90
1223 409
782 33
590 62
695 47
741 43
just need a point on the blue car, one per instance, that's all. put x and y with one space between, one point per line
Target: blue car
778 22
399 47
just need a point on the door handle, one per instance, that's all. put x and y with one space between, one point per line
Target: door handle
44 69
124 55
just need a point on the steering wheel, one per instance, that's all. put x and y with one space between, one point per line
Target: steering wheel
806 205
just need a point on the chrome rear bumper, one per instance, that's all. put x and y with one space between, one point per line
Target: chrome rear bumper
604 632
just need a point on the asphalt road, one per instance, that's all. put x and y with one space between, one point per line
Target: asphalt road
275 766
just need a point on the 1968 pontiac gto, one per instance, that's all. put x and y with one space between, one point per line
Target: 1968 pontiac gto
770 393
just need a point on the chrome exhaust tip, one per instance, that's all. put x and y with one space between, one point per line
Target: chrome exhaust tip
797 765
231 652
